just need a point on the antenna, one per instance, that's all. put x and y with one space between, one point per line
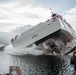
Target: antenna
53 14
51 11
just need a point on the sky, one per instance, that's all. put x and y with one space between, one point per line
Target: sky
16 13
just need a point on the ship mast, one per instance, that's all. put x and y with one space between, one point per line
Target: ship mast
53 14
51 11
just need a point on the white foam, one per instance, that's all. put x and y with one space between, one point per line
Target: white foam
32 50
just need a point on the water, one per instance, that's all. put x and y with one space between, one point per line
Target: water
37 65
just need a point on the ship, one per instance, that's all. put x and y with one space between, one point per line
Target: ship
42 32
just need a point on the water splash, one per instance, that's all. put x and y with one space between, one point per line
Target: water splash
30 50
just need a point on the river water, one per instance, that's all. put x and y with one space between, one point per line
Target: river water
37 65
